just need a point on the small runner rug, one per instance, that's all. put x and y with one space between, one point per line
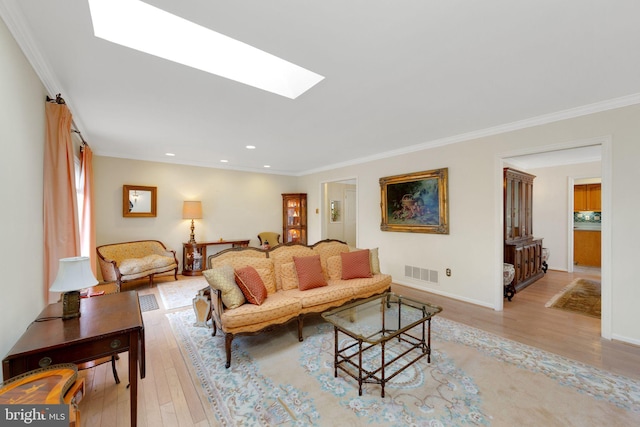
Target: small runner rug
148 302
580 296
474 379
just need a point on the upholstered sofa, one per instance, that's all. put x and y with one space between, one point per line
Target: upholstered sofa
123 262
298 281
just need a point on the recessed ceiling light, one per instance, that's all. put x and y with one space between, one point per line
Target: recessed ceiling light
146 28
224 161
251 147
169 154
267 166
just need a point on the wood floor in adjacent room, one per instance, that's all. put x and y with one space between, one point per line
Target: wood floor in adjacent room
168 397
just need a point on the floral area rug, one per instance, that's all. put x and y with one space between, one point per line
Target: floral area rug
474 378
176 294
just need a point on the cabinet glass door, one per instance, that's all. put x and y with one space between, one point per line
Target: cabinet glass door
515 211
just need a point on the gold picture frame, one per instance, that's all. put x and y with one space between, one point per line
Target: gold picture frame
139 201
416 202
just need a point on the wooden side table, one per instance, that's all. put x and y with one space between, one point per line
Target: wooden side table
194 255
108 325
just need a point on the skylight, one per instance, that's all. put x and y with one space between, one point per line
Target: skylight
146 28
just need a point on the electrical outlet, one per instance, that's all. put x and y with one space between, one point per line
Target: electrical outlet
448 271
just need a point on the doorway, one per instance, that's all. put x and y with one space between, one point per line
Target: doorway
587 224
339 210
571 151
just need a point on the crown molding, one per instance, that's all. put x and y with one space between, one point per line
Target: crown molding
18 27
597 107
16 23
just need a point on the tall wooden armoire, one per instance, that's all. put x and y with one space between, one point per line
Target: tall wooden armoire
520 247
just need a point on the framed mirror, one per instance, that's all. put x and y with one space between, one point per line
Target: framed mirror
335 211
138 201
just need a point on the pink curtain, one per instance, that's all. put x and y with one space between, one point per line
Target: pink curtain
61 232
87 222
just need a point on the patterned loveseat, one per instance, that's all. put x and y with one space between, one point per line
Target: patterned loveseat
123 262
348 273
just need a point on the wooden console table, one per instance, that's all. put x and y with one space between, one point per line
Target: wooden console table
194 255
108 325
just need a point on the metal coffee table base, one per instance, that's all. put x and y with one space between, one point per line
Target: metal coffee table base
344 358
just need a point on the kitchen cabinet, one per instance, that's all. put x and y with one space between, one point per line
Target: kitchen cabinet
586 197
586 248
521 249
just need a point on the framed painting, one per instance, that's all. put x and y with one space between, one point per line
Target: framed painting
416 202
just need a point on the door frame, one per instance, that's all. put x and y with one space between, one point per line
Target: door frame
324 204
606 168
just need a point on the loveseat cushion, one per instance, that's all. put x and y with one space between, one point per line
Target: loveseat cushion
263 266
147 263
288 276
365 287
223 279
334 264
355 264
251 317
251 285
374 260
328 249
309 272
284 254
335 294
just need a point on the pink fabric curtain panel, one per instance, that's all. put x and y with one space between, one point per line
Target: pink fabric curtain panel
87 223
61 232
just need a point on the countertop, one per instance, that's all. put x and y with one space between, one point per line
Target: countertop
586 227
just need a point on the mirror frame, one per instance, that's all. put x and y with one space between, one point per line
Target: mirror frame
126 189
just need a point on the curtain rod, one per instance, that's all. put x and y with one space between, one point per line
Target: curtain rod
60 100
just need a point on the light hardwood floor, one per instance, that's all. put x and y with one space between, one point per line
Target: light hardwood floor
168 397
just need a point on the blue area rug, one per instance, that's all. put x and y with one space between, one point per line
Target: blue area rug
474 378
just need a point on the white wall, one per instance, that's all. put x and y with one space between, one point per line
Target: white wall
552 209
236 205
473 249
22 130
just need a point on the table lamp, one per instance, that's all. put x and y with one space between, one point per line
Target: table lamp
192 210
73 274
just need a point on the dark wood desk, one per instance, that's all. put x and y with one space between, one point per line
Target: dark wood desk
108 325
194 255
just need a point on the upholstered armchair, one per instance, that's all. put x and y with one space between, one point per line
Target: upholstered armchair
269 236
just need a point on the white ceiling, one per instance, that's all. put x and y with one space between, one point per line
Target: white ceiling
399 76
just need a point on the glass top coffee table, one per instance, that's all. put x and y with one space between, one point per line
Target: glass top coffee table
386 334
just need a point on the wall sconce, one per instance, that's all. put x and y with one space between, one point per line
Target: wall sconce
192 210
73 274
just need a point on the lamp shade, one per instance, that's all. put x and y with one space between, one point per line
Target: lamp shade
192 210
74 274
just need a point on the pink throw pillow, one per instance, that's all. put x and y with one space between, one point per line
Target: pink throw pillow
355 264
251 285
309 271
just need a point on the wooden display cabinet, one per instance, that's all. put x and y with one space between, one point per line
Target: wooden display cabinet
521 249
194 255
193 258
294 218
